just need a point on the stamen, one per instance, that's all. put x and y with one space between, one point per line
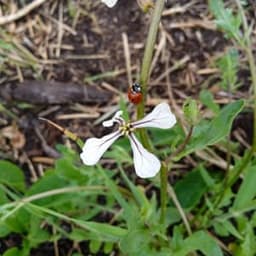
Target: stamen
126 129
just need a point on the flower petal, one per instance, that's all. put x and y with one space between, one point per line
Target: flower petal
109 3
160 117
146 164
94 148
115 119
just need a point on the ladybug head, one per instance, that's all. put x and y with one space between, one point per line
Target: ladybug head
136 88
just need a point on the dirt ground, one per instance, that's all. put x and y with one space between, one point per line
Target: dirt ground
83 45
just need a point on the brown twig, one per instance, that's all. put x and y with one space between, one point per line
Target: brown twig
21 13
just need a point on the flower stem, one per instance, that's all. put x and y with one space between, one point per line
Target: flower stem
146 63
163 191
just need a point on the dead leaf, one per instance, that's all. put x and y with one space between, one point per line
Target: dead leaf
16 137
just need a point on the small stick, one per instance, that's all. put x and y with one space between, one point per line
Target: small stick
127 56
69 134
21 13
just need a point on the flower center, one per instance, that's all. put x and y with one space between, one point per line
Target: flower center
126 129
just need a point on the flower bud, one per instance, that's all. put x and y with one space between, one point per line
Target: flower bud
191 111
146 5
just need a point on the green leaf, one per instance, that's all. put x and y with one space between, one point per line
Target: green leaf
115 191
105 232
226 228
139 195
67 170
123 107
36 233
135 242
48 182
3 197
228 65
225 19
199 241
5 45
108 248
95 246
247 246
4 230
13 252
163 137
191 111
78 234
18 221
247 190
190 189
11 175
209 181
207 99
211 132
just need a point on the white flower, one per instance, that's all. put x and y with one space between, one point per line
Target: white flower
109 3
146 164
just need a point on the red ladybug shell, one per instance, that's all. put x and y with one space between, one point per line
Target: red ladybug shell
135 94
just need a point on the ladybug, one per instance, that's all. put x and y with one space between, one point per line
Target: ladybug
135 93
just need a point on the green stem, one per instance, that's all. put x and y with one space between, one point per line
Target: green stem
252 66
253 74
163 191
248 50
146 63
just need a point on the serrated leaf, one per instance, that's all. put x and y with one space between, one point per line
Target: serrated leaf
228 65
225 19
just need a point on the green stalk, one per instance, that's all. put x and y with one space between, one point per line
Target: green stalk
252 66
248 50
163 192
146 63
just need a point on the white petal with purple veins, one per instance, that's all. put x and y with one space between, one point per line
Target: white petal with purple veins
146 164
109 3
160 117
94 148
117 118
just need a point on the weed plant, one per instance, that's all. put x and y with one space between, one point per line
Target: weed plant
207 211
